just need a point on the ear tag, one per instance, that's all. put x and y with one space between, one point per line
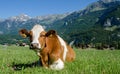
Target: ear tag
50 35
24 35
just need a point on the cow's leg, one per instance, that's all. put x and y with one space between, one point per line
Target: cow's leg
57 65
44 60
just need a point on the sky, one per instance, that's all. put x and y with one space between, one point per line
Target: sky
35 8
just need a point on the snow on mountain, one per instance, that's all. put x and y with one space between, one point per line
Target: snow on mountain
108 1
21 17
23 20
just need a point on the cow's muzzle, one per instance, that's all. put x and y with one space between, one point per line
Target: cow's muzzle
34 46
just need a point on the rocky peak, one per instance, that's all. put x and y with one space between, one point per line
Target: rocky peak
108 1
101 5
21 17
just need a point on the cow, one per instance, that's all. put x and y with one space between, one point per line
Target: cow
50 47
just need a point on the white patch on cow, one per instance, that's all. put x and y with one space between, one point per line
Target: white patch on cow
37 29
65 47
38 53
57 65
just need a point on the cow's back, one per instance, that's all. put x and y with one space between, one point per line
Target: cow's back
70 54
54 47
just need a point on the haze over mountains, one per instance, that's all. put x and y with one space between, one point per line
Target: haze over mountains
82 26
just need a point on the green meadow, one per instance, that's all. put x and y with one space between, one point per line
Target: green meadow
22 60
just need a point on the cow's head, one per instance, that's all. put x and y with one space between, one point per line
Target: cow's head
35 35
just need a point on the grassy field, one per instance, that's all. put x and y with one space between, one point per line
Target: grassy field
21 60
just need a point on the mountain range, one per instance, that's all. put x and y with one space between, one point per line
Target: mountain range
99 22
14 23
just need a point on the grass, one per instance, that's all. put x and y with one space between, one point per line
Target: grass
20 60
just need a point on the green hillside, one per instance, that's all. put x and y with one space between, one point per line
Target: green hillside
92 28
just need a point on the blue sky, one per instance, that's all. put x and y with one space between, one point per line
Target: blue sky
34 8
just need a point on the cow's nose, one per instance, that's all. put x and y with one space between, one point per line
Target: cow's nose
34 45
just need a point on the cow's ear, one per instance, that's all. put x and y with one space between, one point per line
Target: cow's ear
42 34
24 33
51 33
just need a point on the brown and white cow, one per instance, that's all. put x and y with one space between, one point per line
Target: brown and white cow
50 47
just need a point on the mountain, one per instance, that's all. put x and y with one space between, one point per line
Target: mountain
56 21
110 18
48 19
14 23
87 18
98 23
19 18
100 5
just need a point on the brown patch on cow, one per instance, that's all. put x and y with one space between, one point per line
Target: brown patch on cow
51 33
42 39
53 49
24 33
70 54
